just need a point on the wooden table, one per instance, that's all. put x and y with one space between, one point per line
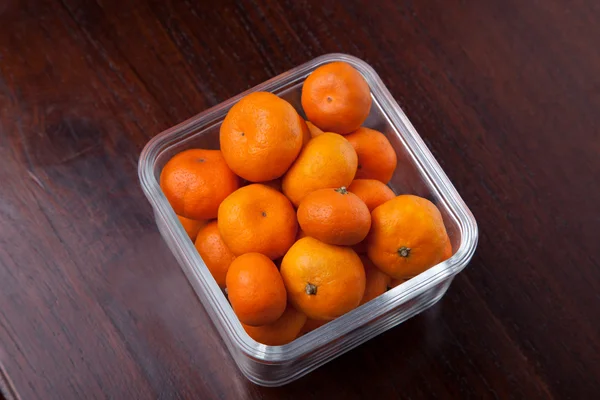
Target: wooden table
506 94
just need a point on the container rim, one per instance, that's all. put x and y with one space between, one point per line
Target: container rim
312 341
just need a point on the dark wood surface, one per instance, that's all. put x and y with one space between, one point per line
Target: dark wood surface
505 93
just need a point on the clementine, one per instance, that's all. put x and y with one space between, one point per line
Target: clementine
447 249
376 281
306 133
407 236
195 182
280 332
214 252
261 137
336 98
313 129
372 192
334 216
191 226
257 218
323 281
327 161
255 289
376 156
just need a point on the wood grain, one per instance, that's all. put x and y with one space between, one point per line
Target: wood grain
505 93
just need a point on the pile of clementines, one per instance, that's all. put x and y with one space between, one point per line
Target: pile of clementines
294 218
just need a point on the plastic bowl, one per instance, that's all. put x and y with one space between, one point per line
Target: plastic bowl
417 173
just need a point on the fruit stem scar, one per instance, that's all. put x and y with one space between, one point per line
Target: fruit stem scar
310 289
404 251
201 160
264 214
329 99
243 134
342 190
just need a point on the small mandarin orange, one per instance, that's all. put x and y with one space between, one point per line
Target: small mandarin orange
214 252
261 136
323 281
258 218
407 236
196 181
327 161
336 98
255 289
376 156
283 331
334 216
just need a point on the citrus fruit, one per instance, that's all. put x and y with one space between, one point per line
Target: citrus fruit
255 289
280 332
372 192
327 161
447 249
261 136
336 98
259 219
195 182
191 226
313 129
306 133
376 156
214 252
334 216
323 281
376 281
407 236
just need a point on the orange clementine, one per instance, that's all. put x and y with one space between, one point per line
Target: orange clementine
191 226
323 281
372 192
376 156
214 252
334 216
280 332
255 289
407 236
261 136
257 218
447 249
311 325
313 129
306 134
336 98
376 281
327 161
195 182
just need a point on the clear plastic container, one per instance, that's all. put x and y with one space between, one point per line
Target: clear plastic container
417 173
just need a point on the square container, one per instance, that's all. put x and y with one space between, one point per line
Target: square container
417 173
